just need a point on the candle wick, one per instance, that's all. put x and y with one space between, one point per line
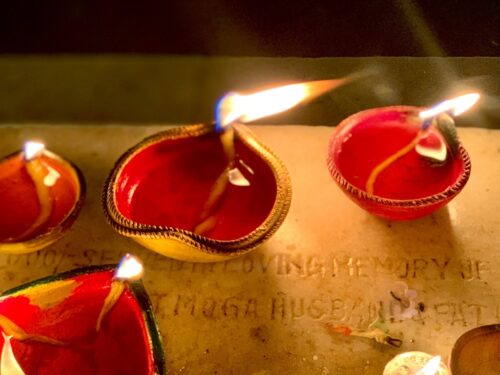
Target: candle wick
37 172
370 182
207 219
117 289
12 329
427 122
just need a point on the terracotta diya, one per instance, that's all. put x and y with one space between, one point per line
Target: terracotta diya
40 197
207 192
400 162
50 325
477 352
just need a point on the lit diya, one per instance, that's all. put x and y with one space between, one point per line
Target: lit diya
40 197
477 352
207 192
401 162
416 363
93 320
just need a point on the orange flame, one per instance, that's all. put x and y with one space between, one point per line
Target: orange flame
455 106
130 268
249 107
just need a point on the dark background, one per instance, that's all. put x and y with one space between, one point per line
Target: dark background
140 62
253 28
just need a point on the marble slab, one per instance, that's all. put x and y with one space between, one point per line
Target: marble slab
330 262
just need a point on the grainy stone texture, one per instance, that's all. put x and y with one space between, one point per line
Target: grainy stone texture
265 313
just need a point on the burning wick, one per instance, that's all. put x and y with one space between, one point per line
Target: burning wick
454 107
129 269
38 174
245 108
440 115
9 364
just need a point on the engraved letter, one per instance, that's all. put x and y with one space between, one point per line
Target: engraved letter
185 304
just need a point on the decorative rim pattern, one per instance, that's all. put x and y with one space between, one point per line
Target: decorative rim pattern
204 244
406 203
136 288
56 232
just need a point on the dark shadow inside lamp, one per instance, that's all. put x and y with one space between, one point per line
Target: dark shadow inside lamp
168 183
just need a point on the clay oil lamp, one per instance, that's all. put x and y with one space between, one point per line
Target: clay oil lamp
207 192
95 320
401 162
416 363
40 197
477 352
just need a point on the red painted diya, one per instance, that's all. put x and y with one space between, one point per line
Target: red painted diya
40 198
178 194
377 158
51 324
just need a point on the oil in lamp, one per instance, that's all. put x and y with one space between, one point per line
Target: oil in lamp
40 197
207 192
401 162
49 325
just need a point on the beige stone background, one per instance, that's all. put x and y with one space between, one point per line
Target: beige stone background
265 313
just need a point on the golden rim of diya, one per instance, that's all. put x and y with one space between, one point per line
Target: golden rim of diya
184 244
55 233
450 191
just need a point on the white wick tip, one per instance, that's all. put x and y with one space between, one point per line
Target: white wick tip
33 150
130 268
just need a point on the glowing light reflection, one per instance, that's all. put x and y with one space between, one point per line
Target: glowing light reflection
130 268
33 150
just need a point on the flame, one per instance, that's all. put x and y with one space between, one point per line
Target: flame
431 367
9 364
250 107
455 106
130 268
33 150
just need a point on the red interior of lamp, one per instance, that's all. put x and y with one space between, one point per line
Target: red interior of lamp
19 204
120 347
168 183
364 143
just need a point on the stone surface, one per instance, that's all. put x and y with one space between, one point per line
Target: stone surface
265 313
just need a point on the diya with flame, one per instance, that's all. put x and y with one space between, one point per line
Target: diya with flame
207 192
94 320
401 162
40 197
416 363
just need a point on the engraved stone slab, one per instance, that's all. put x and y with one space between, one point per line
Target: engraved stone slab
265 313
